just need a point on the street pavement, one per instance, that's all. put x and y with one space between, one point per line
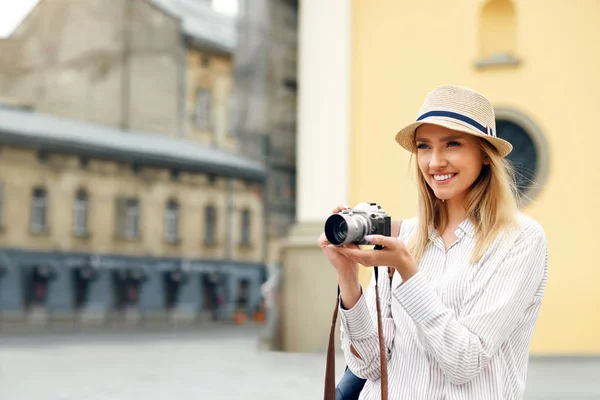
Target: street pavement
208 363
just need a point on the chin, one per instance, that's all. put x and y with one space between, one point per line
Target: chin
443 195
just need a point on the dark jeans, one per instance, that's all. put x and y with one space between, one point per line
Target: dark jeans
349 386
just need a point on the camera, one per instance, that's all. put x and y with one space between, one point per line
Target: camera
351 226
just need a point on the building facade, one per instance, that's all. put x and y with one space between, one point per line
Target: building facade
388 55
96 62
120 188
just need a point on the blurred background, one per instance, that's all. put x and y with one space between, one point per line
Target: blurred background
166 167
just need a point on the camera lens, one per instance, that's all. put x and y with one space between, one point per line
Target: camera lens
336 229
342 231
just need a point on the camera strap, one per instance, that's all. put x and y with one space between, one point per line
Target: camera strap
330 364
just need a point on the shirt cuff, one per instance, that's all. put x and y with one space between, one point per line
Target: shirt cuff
357 320
417 297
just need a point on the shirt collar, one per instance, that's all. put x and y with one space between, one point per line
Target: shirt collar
464 228
433 233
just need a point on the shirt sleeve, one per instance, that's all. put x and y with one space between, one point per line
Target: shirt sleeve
358 328
464 345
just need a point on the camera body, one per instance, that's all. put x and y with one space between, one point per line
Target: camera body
351 226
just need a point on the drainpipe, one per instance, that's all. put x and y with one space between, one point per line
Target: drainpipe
126 70
182 86
266 150
229 217
230 209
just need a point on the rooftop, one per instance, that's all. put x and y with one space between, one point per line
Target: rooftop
43 131
202 23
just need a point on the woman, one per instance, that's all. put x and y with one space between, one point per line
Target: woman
469 270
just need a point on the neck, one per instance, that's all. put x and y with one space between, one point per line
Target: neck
456 211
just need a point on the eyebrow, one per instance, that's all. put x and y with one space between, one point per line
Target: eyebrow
444 139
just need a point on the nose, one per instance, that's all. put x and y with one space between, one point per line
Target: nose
438 160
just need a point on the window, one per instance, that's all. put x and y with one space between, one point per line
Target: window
497 34
128 218
210 227
278 186
293 186
529 157
80 213
232 114
172 221
243 294
245 238
202 109
42 156
1 203
497 28
39 210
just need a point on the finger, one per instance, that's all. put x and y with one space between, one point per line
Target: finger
385 241
322 241
340 208
351 253
368 258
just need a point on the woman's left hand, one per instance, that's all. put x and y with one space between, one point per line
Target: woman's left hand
394 254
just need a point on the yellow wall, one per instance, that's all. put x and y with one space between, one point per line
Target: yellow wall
403 49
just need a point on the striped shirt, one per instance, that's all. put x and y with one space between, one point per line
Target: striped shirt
454 330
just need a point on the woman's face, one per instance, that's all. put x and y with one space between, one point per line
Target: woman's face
450 161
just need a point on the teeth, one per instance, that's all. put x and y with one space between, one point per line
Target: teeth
442 177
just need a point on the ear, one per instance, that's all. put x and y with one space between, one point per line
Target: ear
486 160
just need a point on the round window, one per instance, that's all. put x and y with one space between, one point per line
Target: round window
524 157
529 156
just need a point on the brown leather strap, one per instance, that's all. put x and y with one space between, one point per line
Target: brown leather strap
330 367
330 364
382 355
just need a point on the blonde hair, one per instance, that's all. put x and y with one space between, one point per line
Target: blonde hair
491 205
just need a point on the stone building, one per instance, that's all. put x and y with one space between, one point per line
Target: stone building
265 74
209 39
151 65
117 163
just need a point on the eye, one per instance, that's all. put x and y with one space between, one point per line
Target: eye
453 143
422 146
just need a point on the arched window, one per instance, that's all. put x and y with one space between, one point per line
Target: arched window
132 218
39 210
1 204
498 34
128 218
246 225
202 109
210 224
172 221
80 213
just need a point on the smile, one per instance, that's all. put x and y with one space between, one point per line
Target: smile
441 179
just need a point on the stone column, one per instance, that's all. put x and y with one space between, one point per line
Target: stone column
309 285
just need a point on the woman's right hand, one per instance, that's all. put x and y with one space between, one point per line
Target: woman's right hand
343 265
347 270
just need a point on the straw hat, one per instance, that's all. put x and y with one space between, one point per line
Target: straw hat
458 108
